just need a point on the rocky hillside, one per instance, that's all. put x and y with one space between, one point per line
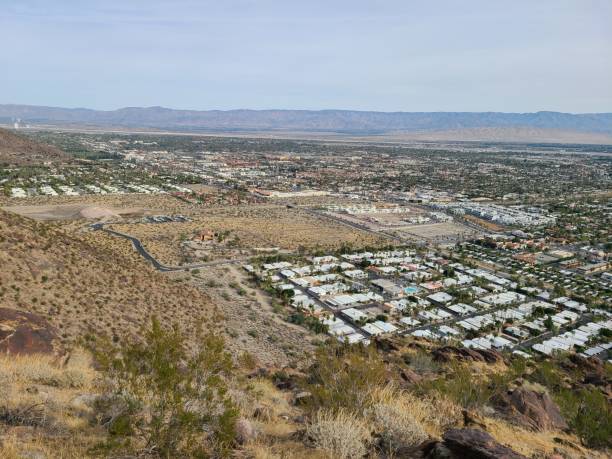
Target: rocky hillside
19 150
81 288
389 400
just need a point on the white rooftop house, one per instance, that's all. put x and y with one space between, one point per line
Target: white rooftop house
113 189
477 322
302 301
339 301
17 192
328 289
95 189
566 341
435 315
426 334
324 259
354 315
500 299
353 338
302 270
356 274
278 265
47 190
462 309
372 329
440 298
385 326
445 330
521 354
338 327
574 305
410 322
287 273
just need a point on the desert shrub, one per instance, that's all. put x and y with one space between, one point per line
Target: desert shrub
396 426
589 413
421 362
169 401
30 414
343 376
340 434
461 387
546 374
416 414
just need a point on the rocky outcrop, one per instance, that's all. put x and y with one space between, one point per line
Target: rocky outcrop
387 344
530 408
593 369
409 377
470 444
25 333
450 353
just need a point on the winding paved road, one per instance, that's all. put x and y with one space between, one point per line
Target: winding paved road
156 264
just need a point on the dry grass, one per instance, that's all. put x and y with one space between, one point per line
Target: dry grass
341 435
284 450
397 426
41 408
20 447
44 369
268 408
432 414
539 444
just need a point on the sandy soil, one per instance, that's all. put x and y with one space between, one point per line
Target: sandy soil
71 211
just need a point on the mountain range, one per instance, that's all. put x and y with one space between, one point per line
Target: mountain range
429 125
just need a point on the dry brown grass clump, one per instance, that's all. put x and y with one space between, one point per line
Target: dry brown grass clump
44 405
340 434
422 415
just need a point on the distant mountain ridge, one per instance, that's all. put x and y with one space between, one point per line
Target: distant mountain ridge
338 121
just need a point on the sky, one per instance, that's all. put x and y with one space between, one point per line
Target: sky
387 55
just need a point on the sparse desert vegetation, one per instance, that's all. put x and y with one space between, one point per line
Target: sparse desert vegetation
247 228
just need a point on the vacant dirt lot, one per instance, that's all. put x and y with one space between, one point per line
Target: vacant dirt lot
74 207
247 228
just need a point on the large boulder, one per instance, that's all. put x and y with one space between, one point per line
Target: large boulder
25 333
409 377
533 409
476 444
450 353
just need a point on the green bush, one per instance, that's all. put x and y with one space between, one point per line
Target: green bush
343 377
172 402
462 387
589 413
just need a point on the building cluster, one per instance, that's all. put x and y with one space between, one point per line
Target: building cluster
504 215
365 294
101 189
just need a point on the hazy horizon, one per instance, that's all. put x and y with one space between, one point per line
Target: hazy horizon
297 109
476 56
